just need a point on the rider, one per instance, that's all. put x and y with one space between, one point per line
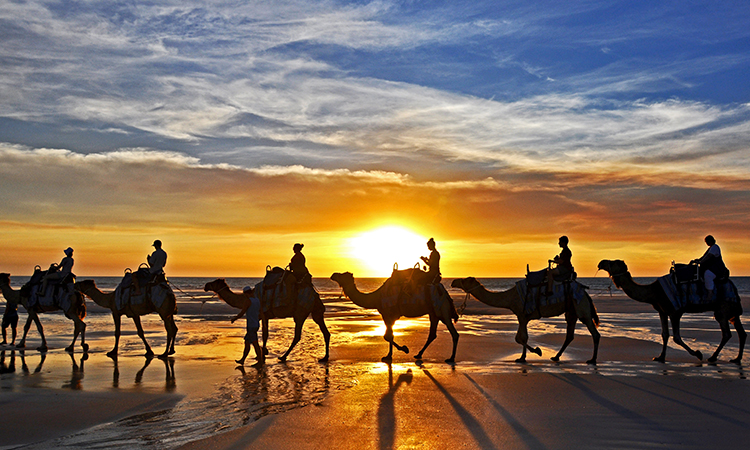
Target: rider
563 260
711 264
297 266
64 269
433 264
156 262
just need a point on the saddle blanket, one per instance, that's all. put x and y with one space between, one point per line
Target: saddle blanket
56 295
155 293
535 297
58 292
401 294
694 293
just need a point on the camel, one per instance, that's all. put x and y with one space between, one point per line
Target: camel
510 299
296 311
107 300
653 294
373 300
76 312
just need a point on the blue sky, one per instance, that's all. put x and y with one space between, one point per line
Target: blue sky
593 99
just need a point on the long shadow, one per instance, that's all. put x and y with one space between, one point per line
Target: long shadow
526 436
474 427
387 409
576 381
712 413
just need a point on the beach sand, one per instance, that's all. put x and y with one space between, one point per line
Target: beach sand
200 399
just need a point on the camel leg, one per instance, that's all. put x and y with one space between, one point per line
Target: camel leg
26 327
318 317
170 328
664 319
726 334
522 337
264 334
596 336
454 335
570 320
392 343
33 317
430 337
139 329
79 327
117 319
742 335
680 342
298 323
174 334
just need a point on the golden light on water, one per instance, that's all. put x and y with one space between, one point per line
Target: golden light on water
379 249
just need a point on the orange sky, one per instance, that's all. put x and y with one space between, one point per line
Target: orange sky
229 221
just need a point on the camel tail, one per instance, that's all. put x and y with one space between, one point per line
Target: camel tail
81 305
594 314
454 312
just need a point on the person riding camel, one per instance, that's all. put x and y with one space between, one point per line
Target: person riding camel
433 264
156 262
297 266
711 264
64 269
563 261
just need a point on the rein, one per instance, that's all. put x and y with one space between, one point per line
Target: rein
203 299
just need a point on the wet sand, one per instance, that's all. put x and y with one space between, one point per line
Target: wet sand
199 399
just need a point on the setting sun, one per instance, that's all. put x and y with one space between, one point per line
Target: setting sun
379 249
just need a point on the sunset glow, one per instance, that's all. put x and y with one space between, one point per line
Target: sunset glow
381 248
361 129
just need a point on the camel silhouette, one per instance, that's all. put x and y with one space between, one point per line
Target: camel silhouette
297 310
653 294
107 300
512 300
75 312
410 306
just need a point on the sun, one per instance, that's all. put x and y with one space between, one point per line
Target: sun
379 249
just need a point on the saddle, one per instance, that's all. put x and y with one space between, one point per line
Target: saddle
684 273
274 276
539 277
57 290
278 289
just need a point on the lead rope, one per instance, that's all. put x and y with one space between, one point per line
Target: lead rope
461 308
202 299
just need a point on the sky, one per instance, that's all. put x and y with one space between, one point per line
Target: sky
231 130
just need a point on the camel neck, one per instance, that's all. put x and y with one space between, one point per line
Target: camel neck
104 299
639 292
370 300
10 294
504 299
231 298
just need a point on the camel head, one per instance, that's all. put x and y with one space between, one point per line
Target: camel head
614 268
465 284
343 278
216 285
4 279
85 285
